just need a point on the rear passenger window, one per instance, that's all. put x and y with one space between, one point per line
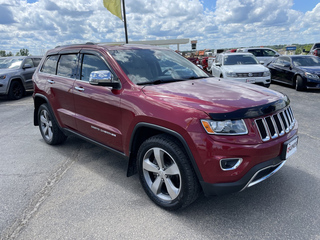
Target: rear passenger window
268 52
50 65
256 52
67 65
91 63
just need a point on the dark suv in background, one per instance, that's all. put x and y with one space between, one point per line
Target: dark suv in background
16 75
181 130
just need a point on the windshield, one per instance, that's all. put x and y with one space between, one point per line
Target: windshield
144 66
12 63
239 60
306 61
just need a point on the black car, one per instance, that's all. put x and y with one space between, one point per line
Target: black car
299 71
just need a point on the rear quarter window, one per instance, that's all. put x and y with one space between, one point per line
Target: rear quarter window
50 65
67 65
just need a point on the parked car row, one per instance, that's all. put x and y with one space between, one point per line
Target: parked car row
263 65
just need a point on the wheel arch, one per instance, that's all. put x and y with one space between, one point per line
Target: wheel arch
15 78
38 100
143 131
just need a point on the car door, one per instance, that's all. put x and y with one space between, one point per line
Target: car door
27 71
216 65
98 114
288 71
59 71
282 69
276 68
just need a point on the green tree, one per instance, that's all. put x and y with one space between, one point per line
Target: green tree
298 51
23 52
2 53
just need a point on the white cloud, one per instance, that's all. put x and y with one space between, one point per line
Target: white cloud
44 24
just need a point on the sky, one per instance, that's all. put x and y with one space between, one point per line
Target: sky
39 25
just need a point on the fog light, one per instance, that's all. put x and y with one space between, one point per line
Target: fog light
230 163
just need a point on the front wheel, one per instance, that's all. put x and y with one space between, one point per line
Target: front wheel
299 84
166 174
48 126
16 90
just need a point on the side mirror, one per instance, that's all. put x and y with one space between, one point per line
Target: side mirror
276 55
217 64
26 66
104 78
261 62
286 65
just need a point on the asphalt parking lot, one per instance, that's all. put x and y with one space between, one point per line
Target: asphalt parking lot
80 191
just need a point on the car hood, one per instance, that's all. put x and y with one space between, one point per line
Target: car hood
7 71
212 95
311 69
244 68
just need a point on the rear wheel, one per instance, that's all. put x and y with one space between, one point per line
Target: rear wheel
48 126
16 90
166 174
299 84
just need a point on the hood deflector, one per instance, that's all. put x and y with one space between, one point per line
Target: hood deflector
252 112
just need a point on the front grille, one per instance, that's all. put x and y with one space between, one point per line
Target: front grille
258 74
276 125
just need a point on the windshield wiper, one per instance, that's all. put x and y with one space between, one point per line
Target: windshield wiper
159 81
193 77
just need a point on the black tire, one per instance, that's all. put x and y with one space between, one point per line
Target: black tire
16 90
48 126
299 84
166 174
267 85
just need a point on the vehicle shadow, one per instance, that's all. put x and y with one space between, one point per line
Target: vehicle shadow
282 207
4 98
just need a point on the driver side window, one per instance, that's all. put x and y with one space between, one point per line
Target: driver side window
89 64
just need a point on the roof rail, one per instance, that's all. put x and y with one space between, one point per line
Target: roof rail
76 44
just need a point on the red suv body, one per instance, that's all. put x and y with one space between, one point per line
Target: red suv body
181 130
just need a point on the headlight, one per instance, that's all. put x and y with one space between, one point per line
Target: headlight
231 74
312 76
266 73
2 77
227 127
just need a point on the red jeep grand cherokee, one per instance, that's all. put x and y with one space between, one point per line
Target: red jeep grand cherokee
181 130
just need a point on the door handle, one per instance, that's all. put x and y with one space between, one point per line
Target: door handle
51 81
80 89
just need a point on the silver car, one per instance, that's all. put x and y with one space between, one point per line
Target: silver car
16 75
264 55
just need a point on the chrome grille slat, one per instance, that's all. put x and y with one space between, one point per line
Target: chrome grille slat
276 125
257 74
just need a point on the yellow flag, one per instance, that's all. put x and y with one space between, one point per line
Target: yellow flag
114 6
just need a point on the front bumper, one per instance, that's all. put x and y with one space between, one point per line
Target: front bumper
254 176
312 84
257 80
